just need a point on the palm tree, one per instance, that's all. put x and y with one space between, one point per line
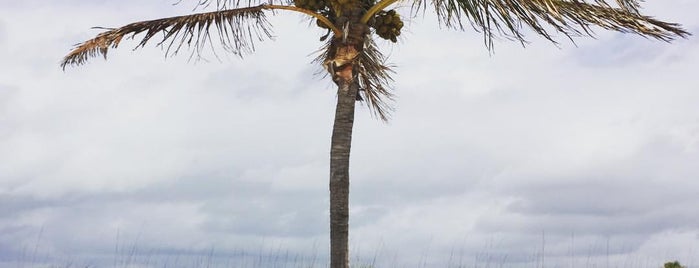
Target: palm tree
352 59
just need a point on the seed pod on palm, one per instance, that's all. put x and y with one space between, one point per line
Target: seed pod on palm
399 24
300 3
378 20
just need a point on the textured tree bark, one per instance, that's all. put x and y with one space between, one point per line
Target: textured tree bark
341 65
339 169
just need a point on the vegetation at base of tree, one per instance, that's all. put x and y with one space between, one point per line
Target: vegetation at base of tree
674 264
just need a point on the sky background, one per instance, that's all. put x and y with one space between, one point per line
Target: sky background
569 156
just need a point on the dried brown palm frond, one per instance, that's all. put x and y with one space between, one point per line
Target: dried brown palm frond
373 76
237 29
630 5
375 80
228 4
220 4
569 17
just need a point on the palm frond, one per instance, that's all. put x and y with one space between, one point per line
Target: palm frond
569 17
632 6
373 76
375 80
237 29
220 4
229 4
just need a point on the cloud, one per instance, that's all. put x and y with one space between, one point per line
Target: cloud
2 33
568 153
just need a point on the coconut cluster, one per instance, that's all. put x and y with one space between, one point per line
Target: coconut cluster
387 25
324 6
314 5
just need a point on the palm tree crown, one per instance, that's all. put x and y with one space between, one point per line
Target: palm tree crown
239 27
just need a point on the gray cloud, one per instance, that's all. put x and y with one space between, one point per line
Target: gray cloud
619 52
2 33
623 198
486 160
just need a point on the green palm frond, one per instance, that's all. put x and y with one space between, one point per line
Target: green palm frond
569 17
237 29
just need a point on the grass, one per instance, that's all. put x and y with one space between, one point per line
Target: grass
134 256
277 257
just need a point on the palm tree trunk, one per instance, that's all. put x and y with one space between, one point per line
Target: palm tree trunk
339 172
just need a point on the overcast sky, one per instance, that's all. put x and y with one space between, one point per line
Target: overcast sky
572 156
